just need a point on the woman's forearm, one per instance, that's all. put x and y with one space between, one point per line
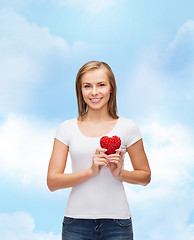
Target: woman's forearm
135 177
60 180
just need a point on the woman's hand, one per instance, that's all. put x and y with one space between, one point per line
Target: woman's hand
99 160
116 162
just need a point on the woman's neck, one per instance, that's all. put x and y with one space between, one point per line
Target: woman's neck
97 115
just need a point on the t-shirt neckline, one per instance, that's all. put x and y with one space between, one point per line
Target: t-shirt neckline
106 134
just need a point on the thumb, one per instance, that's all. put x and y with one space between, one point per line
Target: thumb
98 150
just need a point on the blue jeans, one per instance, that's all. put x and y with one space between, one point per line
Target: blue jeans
97 229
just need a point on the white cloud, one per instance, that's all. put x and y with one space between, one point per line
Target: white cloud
146 82
162 209
179 54
162 76
26 146
184 36
94 6
24 49
21 226
27 53
171 146
20 37
18 75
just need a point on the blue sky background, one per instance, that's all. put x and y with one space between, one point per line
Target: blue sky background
150 48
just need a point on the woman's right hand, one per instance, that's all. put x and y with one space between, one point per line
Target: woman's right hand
100 159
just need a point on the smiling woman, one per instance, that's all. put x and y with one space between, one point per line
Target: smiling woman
97 178
102 80
95 89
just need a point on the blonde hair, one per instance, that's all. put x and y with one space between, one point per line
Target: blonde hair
91 66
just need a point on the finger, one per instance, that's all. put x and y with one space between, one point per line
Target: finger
98 150
99 163
117 162
115 156
120 151
115 159
102 155
100 160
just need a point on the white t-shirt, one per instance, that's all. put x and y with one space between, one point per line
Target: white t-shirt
102 196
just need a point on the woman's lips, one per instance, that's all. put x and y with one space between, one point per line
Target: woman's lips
95 100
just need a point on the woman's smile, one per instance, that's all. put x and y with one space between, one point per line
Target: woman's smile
95 100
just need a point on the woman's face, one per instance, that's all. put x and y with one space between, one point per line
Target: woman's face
95 89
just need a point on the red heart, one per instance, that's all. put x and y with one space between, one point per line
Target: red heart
110 143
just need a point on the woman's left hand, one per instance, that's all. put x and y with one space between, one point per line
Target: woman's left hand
116 162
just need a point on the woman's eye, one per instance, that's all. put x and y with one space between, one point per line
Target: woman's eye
86 86
102 85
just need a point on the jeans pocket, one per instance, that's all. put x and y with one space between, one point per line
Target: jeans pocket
124 222
68 220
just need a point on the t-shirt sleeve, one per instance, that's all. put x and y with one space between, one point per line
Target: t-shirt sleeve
133 133
63 133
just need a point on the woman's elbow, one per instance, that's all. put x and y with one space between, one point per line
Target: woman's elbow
50 184
147 179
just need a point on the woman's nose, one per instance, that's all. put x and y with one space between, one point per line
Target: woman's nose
94 90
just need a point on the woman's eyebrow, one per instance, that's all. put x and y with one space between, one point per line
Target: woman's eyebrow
90 83
86 83
101 82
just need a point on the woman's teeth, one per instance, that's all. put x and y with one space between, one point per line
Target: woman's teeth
95 100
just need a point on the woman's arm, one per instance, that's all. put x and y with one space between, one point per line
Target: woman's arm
56 179
141 174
